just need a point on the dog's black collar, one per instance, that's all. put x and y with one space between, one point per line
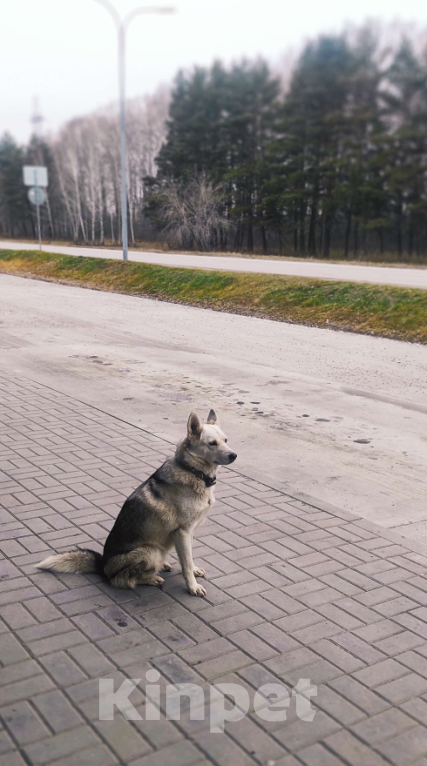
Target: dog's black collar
209 480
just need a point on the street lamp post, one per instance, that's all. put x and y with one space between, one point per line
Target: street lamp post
122 25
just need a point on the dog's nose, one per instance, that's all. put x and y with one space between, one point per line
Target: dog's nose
232 457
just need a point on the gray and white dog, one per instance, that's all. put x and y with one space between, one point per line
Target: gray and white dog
162 513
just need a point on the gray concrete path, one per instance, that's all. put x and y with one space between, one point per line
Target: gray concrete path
402 277
295 590
335 415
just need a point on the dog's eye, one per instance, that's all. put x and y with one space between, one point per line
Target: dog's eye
213 444
226 440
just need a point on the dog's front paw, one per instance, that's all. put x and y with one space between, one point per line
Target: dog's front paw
166 567
156 580
196 590
199 572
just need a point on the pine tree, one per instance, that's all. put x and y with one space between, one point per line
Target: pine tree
15 217
305 161
406 148
220 123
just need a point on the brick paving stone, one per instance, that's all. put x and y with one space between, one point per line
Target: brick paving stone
412 623
60 745
317 672
124 740
90 660
25 689
239 621
338 656
56 642
159 734
61 667
417 708
337 706
383 726
368 701
361 649
293 660
295 590
252 645
380 673
174 638
214 668
222 750
147 650
181 754
257 743
12 759
377 631
395 606
317 755
206 651
396 644
315 633
352 751
43 609
95 756
298 734
288 760
277 638
257 675
296 621
23 723
10 650
6 744
414 661
406 747
92 626
18 671
403 689
339 617
57 711
16 616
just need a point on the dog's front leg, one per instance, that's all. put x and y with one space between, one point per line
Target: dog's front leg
183 549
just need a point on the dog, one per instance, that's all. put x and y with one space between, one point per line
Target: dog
161 513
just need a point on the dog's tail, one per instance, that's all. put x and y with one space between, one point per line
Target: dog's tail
83 560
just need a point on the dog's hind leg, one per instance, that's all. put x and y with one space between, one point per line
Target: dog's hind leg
138 567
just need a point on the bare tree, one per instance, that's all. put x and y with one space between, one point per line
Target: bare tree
87 161
194 213
146 131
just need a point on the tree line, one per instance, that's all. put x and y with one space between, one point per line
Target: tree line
332 164
83 161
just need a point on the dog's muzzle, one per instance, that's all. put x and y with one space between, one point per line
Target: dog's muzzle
232 457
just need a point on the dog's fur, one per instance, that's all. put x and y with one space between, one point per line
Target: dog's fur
163 512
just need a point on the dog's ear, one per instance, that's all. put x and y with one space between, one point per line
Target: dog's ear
212 418
194 426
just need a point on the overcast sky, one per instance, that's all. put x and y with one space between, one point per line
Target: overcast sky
64 51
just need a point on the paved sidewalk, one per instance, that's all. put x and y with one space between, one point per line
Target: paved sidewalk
295 590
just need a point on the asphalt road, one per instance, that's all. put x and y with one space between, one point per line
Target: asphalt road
337 416
403 277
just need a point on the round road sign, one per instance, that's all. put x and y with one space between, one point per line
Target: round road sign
36 195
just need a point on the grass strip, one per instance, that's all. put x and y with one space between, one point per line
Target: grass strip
390 312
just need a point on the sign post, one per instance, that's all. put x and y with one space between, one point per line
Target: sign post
36 177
